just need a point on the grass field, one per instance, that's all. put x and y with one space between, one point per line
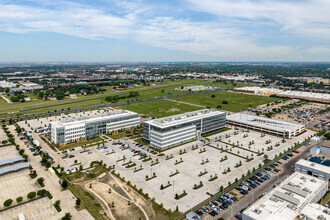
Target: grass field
160 108
14 108
236 101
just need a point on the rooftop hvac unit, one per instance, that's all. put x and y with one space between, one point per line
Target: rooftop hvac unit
307 190
258 211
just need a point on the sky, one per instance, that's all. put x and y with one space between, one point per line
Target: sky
159 30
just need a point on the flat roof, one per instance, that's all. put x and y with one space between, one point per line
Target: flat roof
14 168
11 160
300 94
73 121
287 199
182 118
317 166
314 210
263 122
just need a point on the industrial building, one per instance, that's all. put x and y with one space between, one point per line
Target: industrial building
196 88
266 125
264 91
170 131
292 198
80 128
322 97
315 167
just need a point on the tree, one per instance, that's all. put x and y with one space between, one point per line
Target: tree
31 195
67 216
213 96
19 199
41 180
57 203
42 192
8 202
64 184
78 202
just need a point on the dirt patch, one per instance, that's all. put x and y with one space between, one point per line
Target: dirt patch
174 110
123 209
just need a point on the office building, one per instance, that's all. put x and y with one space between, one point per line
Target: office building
266 125
170 131
289 200
80 128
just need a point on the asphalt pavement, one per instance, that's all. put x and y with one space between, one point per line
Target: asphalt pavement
287 168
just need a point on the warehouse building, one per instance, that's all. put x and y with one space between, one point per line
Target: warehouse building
289 199
170 131
315 167
80 128
266 125
322 97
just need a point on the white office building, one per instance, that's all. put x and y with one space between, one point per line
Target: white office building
266 125
289 200
170 131
79 128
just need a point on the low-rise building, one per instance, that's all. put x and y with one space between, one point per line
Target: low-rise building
80 128
266 125
289 200
170 131
265 91
320 170
322 97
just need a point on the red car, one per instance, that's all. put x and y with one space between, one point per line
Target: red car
295 151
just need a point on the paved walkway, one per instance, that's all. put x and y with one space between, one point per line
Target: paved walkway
7 100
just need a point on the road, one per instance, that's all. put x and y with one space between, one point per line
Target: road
287 168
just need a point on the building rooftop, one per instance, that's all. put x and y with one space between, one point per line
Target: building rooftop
73 121
287 199
315 211
318 166
263 122
323 96
182 118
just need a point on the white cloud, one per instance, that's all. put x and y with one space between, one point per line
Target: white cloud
208 38
74 20
319 51
306 17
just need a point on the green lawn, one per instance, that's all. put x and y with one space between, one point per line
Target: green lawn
13 108
160 108
73 145
236 101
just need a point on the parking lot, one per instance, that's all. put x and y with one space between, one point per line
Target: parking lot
303 114
3 135
19 186
8 152
197 165
38 210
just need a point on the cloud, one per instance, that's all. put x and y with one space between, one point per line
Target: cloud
139 21
306 17
71 19
319 51
206 39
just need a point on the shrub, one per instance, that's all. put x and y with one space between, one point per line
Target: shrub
42 192
31 195
8 202
19 199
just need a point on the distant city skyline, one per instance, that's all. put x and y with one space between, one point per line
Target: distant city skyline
164 31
